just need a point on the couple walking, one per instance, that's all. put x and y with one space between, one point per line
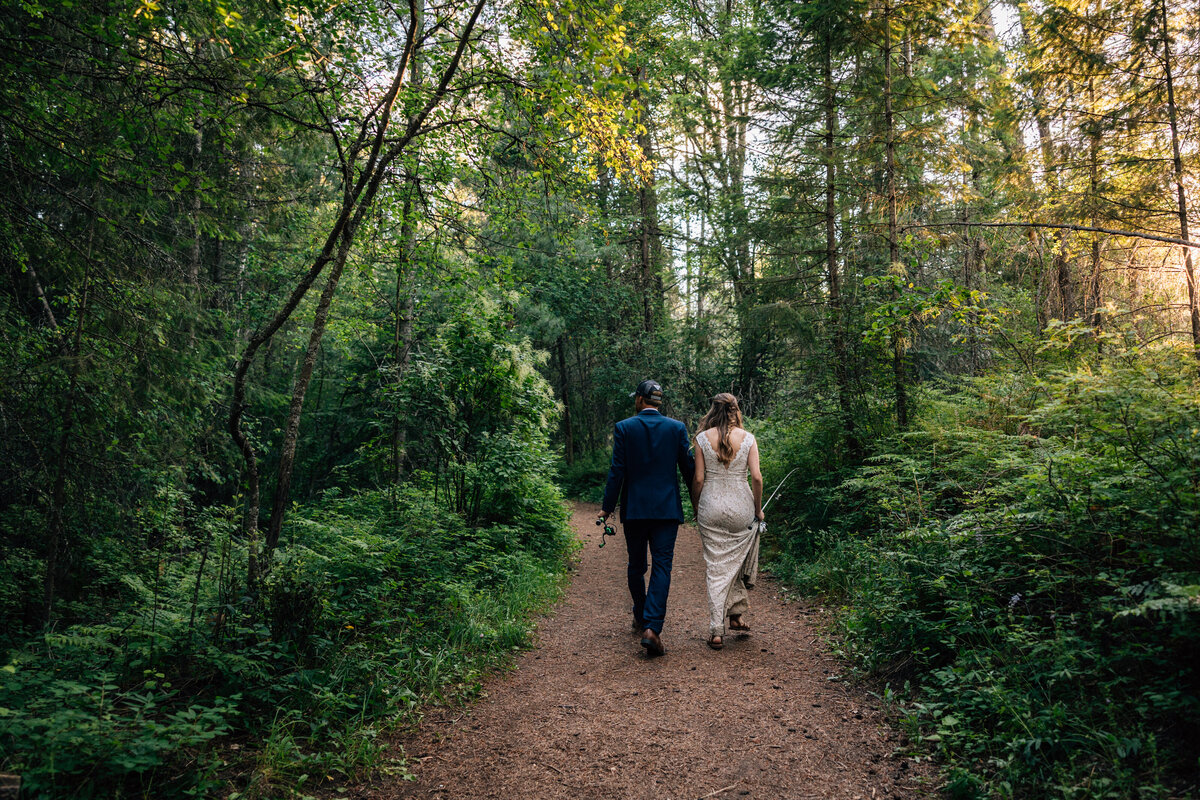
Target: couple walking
647 449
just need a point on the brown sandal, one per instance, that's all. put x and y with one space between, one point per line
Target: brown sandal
735 623
716 642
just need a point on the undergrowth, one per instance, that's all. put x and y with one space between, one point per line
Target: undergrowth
378 604
584 480
1021 570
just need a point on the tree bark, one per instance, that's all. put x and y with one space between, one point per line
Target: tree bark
402 349
603 193
737 111
193 276
402 340
1094 289
1062 277
47 311
1060 268
1181 195
969 270
564 392
649 234
898 376
58 492
840 351
291 434
688 282
406 279
241 257
700 270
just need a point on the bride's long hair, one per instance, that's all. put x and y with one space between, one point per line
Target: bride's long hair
724 415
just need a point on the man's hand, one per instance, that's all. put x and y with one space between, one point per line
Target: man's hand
603 516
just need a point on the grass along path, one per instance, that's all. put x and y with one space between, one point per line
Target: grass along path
587 715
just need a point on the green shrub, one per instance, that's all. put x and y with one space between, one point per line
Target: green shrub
378 602
91 738
584 480
1036 591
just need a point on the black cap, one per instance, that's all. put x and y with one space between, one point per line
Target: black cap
650 390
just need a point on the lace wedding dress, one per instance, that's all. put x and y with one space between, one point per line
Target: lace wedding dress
725 515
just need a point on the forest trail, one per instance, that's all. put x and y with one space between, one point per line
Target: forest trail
587 715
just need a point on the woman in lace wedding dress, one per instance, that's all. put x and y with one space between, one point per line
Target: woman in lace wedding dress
728 512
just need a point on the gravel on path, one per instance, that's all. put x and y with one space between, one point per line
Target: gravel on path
586 714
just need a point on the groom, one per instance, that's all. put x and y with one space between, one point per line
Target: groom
647 448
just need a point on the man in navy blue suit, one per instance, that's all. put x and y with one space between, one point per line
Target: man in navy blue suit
647 448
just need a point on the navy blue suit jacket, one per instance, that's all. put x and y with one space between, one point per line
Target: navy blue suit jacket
646 450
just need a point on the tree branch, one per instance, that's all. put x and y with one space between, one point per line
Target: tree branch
1058 226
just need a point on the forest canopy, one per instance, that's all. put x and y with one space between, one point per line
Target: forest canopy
311 313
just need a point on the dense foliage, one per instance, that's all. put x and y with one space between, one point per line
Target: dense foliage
381 603
304 309
1026 556
176 176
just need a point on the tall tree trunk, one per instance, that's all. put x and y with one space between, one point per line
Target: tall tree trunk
645 259
406 276
193 266
1095 300
193 276
894 265
841 367
591 435
564 391
1133 274
971 189
688 282
969 270
1181 195
649 235
245 227
58 492
47 311
743 260
402 354
603 195
1060 268
291 433
700 270
1062 277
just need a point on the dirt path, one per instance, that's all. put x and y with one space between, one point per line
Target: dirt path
587 715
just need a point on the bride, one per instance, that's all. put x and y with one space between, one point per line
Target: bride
728 512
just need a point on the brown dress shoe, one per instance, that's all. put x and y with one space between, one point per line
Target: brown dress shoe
653 644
